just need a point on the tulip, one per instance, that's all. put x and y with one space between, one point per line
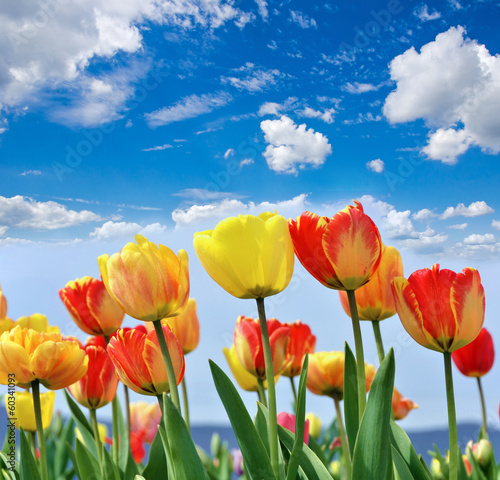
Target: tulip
149 282
301 341
98 386
248 256
482 452
314 425
245 379
6 324
476 360
325 375
138 360
287 420
249 349
23 414
47 357
91 307
38 322
443 311
401 406
3 305
145 417
103 433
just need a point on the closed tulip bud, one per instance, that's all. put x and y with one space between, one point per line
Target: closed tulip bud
325 375
98 386
374 300
482 451
436 469
139 362
47 357
186 327
476 359
401 406
442 310
36 321
91 307
342 252
23 414
301 341
287 420
149 282
248 345
266 266
314 425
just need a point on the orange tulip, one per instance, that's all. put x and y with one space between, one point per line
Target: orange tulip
249 349
91 306
300 342
32 355
149 282
139 363
98 386
145 417
401 406
342 252
476 359
442 310
374 300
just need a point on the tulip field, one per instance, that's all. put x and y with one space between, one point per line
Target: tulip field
251 258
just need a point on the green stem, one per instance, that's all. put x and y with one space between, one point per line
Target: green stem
294 391
261 392
127 411
186 404
98 444
172 381
452 417
483 407
271 391
114 420
378 341
39 429
343 440
32 440
360 357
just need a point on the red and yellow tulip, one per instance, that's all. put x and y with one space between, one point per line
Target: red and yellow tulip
47 357
139 363
149 282
401 406
342 252
91 307
476 358
442 310
301 341
145 417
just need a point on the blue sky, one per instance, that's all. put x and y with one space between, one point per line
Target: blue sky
162 118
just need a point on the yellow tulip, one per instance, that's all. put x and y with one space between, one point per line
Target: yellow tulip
23 414
37 322
149 282
314 425
102 429
248 256
3 305
6 324
186 327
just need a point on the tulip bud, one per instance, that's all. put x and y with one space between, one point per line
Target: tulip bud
436 469
482 451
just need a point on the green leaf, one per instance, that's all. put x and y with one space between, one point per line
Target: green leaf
61 456
28 469
401 442
157 463
166 449
296 452
110 470
401 466
86 462
124 454
318 451
372 451
256 458
261 424
186 461
351 413
72 456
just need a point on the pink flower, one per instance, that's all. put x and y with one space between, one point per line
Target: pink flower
287 420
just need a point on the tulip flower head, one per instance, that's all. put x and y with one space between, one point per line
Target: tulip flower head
91 306
98 386
249 349
314 425
325 375
342 252
36 321
442 310
374 300
301 341
401 406
149 282
186 327
248 256
139 363
145 417
476 358
47 357
23 415
287 420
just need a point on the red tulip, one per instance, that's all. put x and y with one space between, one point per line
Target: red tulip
342 252
300 342
476 359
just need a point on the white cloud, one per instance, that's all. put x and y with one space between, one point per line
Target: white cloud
125 229
428 240
495 224
31 172
262 6
24 212
246 161
476 239
302 20
187 107
362 118
229 207
398 224
475 209
291 146
3 230
357 87
376 165
157 148
424 214
423 14
273 108
452 81
458 226
256 79
326 115
229 152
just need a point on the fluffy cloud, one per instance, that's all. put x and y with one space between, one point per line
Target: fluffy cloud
376 165
255 80
357 87
475 209
293 146
228 207
452 81
424 214
423 14
111 230
326 116
273 108
495 224
188 107
476 239
24 212
458 226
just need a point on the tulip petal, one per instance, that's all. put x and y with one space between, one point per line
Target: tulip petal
14 358
248 345
104 311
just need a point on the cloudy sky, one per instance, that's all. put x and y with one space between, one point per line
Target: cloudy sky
161 118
